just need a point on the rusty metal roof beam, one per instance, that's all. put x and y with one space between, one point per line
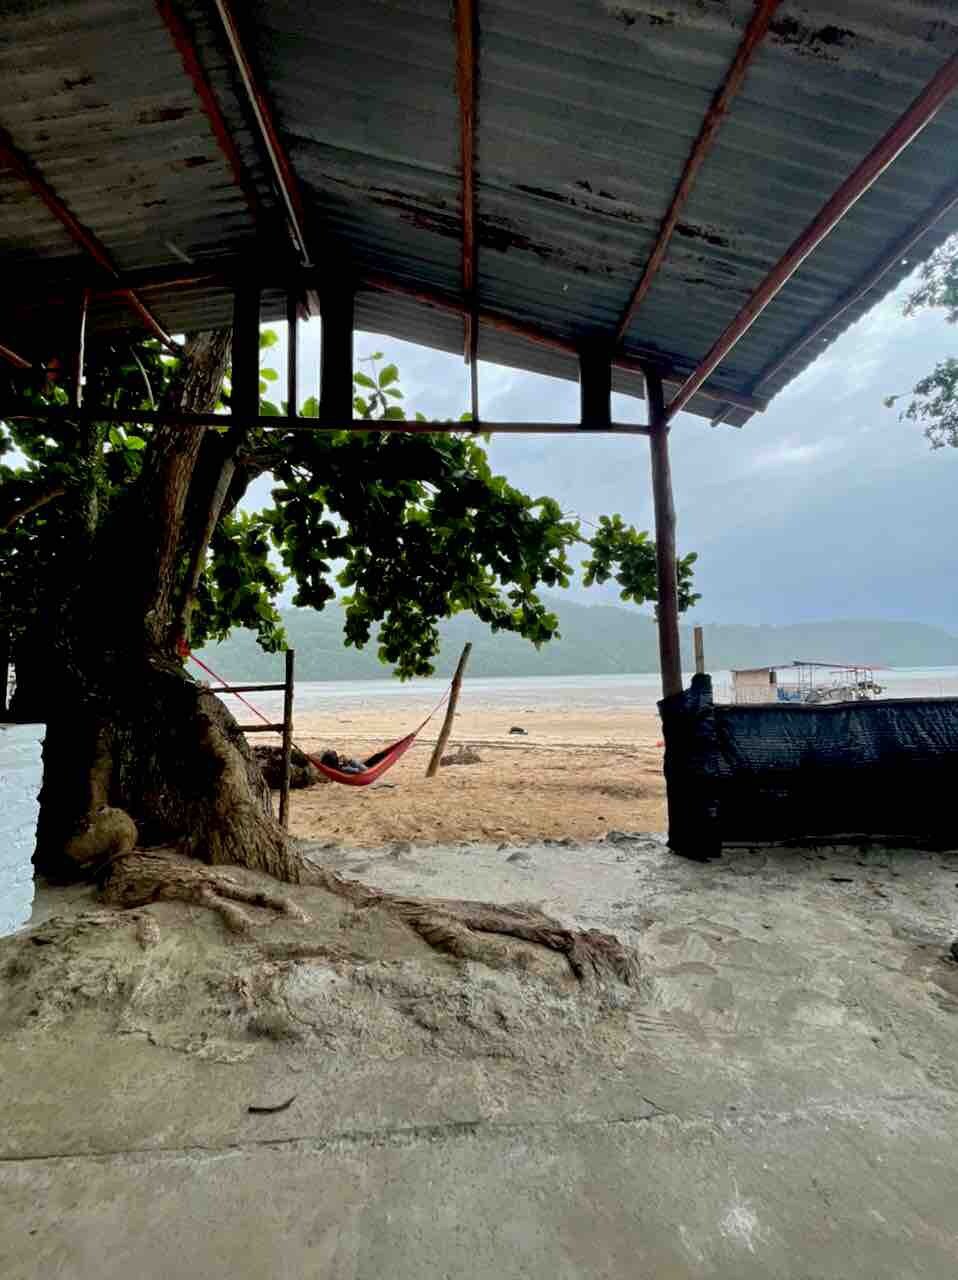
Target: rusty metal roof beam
633 363
940 209
230 272
938 90
186 47
26 170
465 20
754 35
286 180
11 357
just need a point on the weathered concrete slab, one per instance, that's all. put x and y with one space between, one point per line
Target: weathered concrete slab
816 1192
778 1099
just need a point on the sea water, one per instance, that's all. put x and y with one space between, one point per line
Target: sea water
611 692
20 773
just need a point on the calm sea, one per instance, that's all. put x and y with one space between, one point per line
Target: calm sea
555 692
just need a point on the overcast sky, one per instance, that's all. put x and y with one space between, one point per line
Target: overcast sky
825 506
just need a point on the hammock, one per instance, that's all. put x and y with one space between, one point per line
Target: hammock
374 767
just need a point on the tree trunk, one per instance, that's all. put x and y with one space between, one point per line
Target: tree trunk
136 753
141 765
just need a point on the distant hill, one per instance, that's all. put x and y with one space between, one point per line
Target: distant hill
595 640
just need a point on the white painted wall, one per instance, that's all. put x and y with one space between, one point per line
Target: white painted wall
20 776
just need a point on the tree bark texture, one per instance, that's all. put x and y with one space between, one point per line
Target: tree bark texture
136 753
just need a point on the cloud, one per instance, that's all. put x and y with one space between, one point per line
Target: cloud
825 506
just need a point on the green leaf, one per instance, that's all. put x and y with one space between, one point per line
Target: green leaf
136 443
394 413
269 374
395 393
376 355
310 407
268 338
389 375
363 379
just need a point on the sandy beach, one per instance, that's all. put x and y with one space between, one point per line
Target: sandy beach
588 762
575 772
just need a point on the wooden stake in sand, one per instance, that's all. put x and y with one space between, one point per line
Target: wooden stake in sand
699 651
446 729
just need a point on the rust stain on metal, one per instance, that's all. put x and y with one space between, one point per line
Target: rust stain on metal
701 233
162 115
813 42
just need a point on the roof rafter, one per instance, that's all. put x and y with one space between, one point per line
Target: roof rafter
905 129
940 209
633 362
283 173
735 76
229 273
18 361
185 46
26 170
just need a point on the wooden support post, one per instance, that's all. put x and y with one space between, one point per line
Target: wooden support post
244 376
667 610
78 354
336 375
474 371
5 655
287 742
595 386
446 729
699 644
292 354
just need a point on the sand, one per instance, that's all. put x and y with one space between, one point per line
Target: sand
575 773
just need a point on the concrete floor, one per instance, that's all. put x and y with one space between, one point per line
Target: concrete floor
780 1100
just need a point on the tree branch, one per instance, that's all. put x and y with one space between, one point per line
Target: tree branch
13 511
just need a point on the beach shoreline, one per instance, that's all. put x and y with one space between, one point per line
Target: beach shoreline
572 773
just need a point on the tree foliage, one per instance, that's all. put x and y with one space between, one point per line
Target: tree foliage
406 529
934 399
621 552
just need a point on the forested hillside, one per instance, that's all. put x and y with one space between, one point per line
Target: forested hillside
595 640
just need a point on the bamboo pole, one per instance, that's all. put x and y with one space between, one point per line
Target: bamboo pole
446 729
287 742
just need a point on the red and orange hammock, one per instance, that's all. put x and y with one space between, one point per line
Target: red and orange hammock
374 767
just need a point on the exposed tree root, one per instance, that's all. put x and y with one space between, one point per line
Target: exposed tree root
459 928
451 925
162 875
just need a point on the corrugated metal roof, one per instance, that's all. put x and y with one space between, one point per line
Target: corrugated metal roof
96 95
587 111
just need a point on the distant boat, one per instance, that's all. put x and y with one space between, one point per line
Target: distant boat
806 682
